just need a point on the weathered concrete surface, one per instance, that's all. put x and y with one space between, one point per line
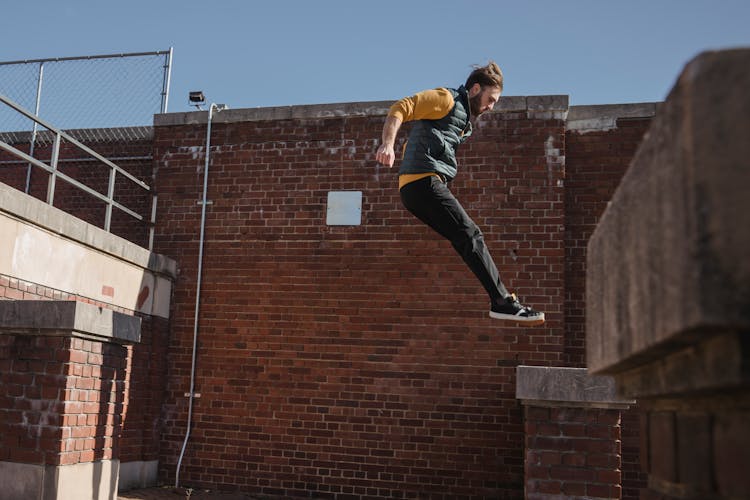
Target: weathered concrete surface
94 480
137 475
718 362
668 262
560 386
50 317
668 285
603 117
532 104
21 481
42 244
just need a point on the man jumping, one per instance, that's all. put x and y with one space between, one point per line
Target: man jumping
442 121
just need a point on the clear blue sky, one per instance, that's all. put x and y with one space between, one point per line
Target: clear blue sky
283 52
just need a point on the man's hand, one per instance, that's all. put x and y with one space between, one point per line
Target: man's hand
385 155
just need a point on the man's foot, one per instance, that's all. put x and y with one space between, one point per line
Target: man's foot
512 310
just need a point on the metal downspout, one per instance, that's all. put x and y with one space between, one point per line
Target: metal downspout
204 203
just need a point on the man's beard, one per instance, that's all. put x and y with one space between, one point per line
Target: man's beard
475 104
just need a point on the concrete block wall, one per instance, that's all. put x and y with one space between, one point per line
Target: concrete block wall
669 310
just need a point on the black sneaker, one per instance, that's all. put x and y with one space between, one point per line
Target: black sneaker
512 310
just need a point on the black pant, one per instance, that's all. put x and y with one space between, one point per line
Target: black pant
431 201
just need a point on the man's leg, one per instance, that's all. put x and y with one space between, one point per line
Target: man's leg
431 201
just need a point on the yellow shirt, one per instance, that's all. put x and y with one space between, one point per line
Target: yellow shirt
426 105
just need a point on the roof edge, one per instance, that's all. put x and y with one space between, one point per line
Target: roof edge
344 110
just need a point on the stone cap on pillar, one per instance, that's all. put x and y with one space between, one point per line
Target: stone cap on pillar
569 387
68 318
668 266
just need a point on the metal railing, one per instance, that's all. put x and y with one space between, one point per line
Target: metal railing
79 92
55 174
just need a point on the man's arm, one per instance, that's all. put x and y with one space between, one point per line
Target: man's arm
427 105
385 154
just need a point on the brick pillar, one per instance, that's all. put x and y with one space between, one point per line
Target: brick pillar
668 285
62 382
572 433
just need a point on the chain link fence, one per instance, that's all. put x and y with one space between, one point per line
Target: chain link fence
63 122
106 92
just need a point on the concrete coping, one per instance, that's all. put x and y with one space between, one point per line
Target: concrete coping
568 387
68 318
27 208
604 117
531 104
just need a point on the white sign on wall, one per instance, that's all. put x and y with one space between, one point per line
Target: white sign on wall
344 208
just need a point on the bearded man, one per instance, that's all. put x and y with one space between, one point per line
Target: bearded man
442 121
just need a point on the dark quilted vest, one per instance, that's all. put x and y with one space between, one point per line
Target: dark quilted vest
432 143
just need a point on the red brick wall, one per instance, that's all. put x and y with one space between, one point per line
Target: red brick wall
61 399
634 475
12 172
595 163
146 371
65 400
360 360
572 452
354 360
144 375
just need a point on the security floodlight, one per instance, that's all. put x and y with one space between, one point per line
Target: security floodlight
197 98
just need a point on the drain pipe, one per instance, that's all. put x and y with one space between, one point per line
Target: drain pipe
204 203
